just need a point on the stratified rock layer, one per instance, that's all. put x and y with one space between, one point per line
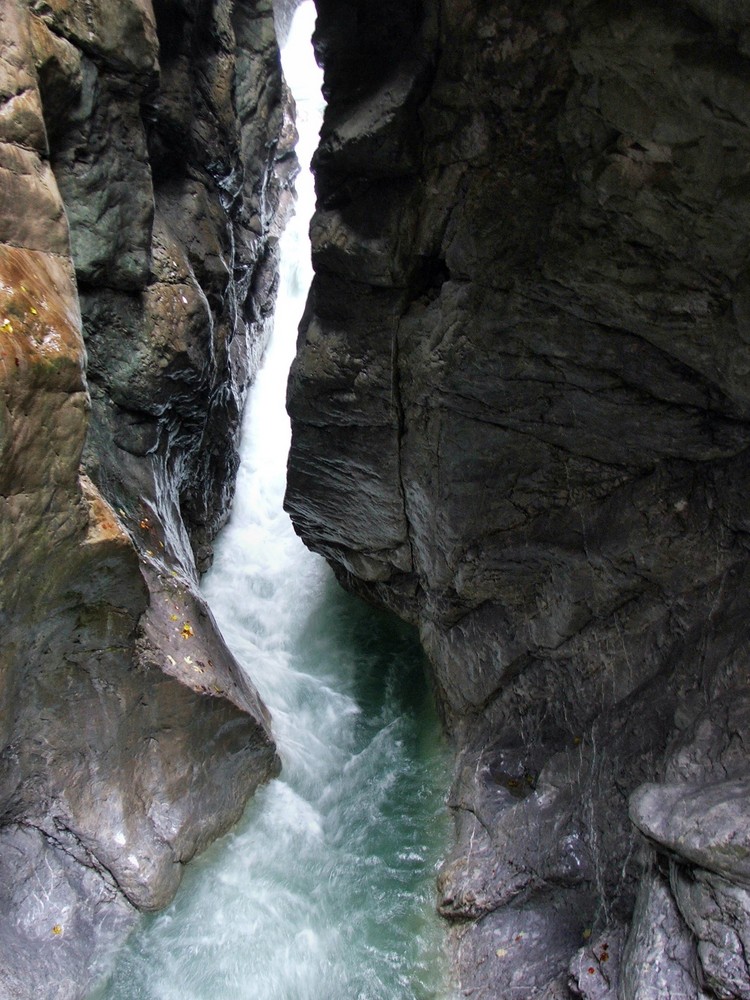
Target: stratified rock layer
520 419
145 155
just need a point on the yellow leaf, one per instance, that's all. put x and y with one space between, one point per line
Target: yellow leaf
57 929
187 631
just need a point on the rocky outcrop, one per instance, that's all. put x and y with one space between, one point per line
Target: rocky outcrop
520 419
145 156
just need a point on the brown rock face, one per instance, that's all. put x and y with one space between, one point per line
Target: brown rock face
520 419
144 158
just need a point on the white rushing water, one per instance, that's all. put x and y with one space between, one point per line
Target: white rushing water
325 889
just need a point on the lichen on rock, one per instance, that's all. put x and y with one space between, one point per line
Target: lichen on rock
146 155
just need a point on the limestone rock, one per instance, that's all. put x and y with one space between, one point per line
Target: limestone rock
594 972
56 908
707 824
696 821
660 958
517 950
717 911
125 37
101 164
28 180
137 274
520 420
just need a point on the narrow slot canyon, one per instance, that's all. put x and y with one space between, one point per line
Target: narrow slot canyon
326 886
373 607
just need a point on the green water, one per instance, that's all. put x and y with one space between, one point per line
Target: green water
325 890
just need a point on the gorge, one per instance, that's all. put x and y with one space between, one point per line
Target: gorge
326 887
519 421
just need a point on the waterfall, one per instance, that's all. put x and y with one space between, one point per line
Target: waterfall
324 891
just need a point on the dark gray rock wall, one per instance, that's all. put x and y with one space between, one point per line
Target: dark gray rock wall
145 162
520 420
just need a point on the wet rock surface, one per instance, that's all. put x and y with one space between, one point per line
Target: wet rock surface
146 158
520 420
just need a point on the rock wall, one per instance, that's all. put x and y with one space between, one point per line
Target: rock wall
520 419
145 162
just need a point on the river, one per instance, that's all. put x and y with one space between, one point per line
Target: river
325 889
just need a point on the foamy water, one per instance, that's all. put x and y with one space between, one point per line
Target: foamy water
324 891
